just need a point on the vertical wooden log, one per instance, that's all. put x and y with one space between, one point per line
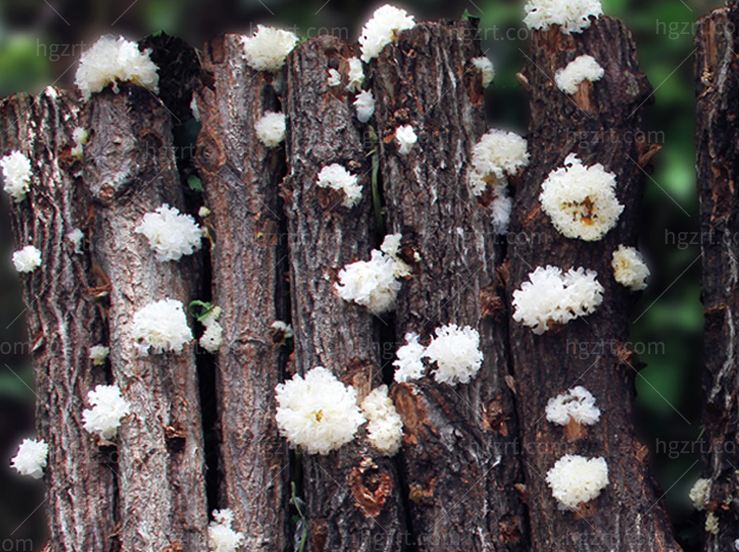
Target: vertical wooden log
352 494
63 319
241 179
130 170
717 135
459 455
600 123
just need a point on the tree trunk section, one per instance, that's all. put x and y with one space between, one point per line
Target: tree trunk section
599 123
717 133
130 170
64 320
459 456
241 180
353 494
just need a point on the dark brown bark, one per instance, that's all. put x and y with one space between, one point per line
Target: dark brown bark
459 455
599 123
352 495
63 320
130 170
241 180
717 134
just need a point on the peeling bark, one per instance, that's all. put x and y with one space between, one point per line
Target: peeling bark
63 320
717 90
241 180
600 124
459 455
352 494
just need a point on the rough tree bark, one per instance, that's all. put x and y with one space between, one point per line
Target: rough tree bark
717 135
459 459
241 180
130 170
599 123
353 495
63 320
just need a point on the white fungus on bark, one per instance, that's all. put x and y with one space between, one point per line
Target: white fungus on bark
712 524
485 66
31 458
283 327
221 536
161 326
334 78
16 169
317 413
212 337
170 233
577 404
409 364
27 259
576 480
268 47
550 296
80 137
337 178
385 426
371 284
455 354
582 68
365 105
382 29
581 201
629 268
700 493
406 138
98 354
108 410
115 60
572 16
271 129
355 75
75 237
391 247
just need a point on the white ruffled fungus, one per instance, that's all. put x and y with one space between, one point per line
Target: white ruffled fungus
581 201
365 104
700 493
16 169
629 268
391 247
385 426
409 363
31 458
406 138
356 75
334 78
115 60
712 525
161 326
108 409
371 284
284 327
580 69
336 177
500 212
271 129
212 337
499 153
572 16
27 259
170 233
204 212
382 29
267 49
75 237
221 537
578 405
575 480
80 136
98 354
317 413
485 66
456 353
550 296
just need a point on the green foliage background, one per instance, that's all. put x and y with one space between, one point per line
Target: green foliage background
40 42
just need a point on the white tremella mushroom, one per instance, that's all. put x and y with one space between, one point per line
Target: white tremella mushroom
161 326
577 404
334 78
582 68
31 458
385 426
27 259
485 66
371 284
355 75
572 16
271 128
115 60
700 493
629 268
16 169
98 354
365 105
267 48
170 233
550 296
212 337
382 29
455 352
317 413
406 138
108 409
221 536
409 362
581 201
576 480
337 178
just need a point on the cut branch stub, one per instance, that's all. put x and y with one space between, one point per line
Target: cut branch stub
459 456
